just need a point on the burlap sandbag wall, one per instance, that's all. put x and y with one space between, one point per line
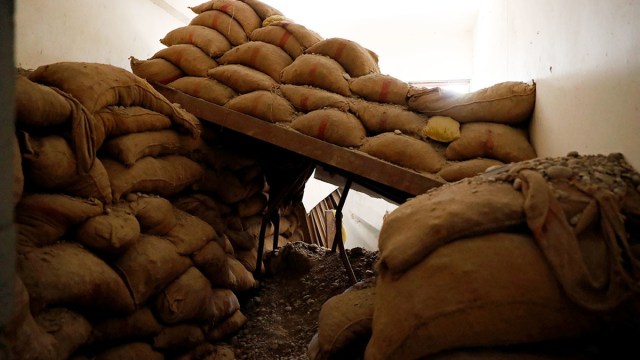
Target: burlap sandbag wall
140 246
247 56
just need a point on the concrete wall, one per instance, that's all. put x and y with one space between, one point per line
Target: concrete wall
585 58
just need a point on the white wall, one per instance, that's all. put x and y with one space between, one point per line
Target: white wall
585 58
92 31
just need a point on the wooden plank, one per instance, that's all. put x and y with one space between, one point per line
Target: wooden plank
348 160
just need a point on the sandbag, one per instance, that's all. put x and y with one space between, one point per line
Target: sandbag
242 79
404 150
241 279
110 233
149 265
308 98
508 102
241 240
221 158
212 262
227 186
39 106
204 88
130 148
380 88
119 120
264 105
204 207
50 164
67 274
155 214
379 118
484 291
137 325
280 37
155 70
459 170
318 71
188 58
263 9
252 205
70 330
187 298
305 36
43 219
224 23
258 55
241 12
331 125
355 59
190 233
343 320
164 176
131 351
227 327
210 41
491 140
442 128
209 351
454 211
179 337
224 303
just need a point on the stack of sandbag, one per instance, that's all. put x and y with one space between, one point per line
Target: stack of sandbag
247 56
111 262
536 258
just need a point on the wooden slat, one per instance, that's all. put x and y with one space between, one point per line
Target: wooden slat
353 162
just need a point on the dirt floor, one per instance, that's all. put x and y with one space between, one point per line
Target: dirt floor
283 311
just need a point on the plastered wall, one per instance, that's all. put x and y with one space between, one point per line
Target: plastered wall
585 58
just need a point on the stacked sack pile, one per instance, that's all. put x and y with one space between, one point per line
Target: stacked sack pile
133 234
245 55
536 259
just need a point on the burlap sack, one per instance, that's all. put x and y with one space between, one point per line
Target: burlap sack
308 98
43 219
225 303
491 140
204 207
209 351
263 10
155 70
185 299
253 205
130 148
453 211
100 85
223 23
241 240
380 88
378 118
130 351
149 265
331 125
280 37
251 225
70 330
241 78
343 320
190 233
404 150
227 186
319 71
210 41
188 58
227 327
459 170
139 324
110 233
264 105
155 214
179 338
66 273
258 55
305 36
508 103
221 158
212 262
50 164
164 176
119 120
204 88
442 128
485 291
241 12
241 279
39 106
354 58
